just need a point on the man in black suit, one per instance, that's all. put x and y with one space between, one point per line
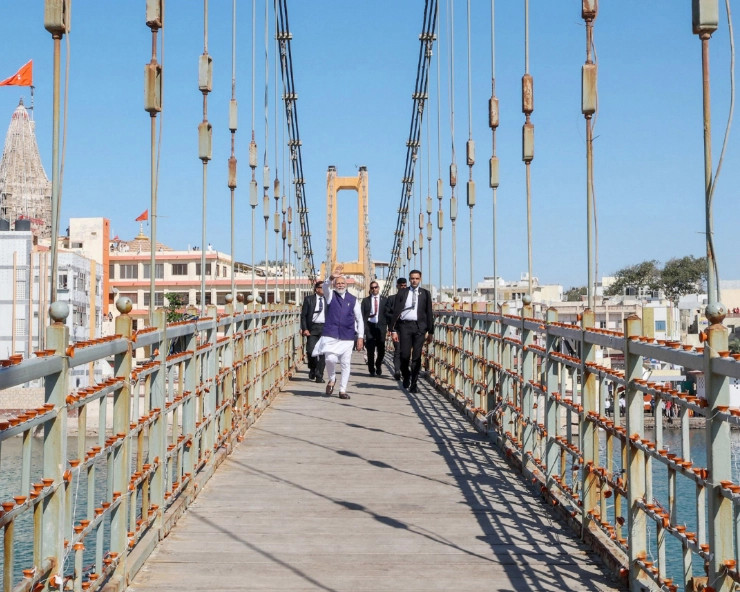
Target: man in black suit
400 284
412 324
373 315
312 325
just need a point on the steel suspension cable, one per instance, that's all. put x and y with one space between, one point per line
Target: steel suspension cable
253 150
419 97
266 166
453 164
232 158
305 249
528 141
470 150
440 184
276 194
493 165
204 141
153 105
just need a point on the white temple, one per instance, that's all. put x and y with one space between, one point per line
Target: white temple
25 190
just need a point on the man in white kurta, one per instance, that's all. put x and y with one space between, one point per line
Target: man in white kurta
342 328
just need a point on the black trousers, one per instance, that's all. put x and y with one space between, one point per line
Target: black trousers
315 364
396 358
375 346
412 342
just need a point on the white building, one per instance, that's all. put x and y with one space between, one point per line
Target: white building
512 292
25 293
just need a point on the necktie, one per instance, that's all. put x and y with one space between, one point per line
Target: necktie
375 305
413 299
321 304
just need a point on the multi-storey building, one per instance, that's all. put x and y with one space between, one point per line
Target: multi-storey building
179 272
25 293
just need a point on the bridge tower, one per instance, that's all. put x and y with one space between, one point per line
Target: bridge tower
361 270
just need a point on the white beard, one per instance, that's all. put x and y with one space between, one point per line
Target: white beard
342 292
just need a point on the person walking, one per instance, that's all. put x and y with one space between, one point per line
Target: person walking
412 324
400 285
342 328
373 315
313 313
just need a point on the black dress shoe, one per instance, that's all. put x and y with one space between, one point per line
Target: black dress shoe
397 375
372 372
311 374
378 371
413 388
406 382
320 380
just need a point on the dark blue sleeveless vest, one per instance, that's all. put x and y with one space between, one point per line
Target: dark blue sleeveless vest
340 317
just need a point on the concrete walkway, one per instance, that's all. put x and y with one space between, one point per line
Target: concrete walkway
386 491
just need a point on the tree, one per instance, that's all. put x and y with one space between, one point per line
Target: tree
681 276
574 294
175 304
636 277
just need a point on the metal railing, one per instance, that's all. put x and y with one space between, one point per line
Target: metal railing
546 410
98 511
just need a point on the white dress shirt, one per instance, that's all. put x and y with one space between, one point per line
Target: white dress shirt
411 307
374 306
319 310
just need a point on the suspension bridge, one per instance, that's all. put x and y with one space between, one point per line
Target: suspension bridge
222 467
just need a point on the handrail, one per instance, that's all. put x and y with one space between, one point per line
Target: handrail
546 409
174 419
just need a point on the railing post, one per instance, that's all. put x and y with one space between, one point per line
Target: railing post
551 407
717 392
55 443
228 363
158 429
635 457
587 429
527 371
190 455
211 369
506 381
121 412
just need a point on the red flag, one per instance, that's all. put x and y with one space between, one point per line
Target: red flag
144 217
23 77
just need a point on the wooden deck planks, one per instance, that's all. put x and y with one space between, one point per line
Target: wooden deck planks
386 491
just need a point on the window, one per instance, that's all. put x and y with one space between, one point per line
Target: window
197 269
62 285
20 328
197 298
78 317
76 245
80 283
112 271
133 296
158 299
660 325
20 290
179 269
129 272
159 269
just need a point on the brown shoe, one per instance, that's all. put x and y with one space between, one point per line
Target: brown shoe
343 396
330 387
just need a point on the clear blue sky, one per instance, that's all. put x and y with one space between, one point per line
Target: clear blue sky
355 64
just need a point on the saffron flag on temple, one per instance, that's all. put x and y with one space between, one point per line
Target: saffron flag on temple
23 77
144 217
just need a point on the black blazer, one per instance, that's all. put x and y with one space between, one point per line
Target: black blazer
307 310
424 315
366 310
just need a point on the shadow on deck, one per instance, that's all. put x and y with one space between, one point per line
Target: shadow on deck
386 491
